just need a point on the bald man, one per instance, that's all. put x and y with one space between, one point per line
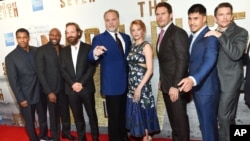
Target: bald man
48 70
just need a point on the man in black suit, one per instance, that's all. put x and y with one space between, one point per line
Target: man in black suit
23 80
78 73
48 71
247 77
172 51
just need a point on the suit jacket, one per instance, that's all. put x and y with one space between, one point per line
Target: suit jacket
173 57
22 76
114 67
233 42
84 69
48 69
202 64
247 78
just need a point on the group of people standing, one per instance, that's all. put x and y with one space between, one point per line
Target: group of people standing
214 62
207 63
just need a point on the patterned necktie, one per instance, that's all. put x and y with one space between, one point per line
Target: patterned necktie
118 41
160 37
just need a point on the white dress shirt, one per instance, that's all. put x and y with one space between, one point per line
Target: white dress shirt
74 53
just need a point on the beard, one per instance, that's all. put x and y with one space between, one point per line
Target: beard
72 40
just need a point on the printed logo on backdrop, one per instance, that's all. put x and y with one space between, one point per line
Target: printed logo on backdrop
9 39
8 10
37 5
36 31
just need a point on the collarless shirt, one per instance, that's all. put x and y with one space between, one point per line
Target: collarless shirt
28 56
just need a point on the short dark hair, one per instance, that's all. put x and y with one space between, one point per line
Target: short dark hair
166 5
197 8
78 29
22 30
224 4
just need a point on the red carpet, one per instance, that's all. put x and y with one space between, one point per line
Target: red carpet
13 133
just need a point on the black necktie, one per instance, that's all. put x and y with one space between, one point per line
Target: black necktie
118 41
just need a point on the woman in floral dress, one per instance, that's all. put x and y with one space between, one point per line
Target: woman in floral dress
141 116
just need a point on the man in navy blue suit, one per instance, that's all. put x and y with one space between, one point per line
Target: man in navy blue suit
203 77
23 80
114 71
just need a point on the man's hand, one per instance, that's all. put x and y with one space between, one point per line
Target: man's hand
24 103
99 50
52 97
173 94
77 87
186 84
213 33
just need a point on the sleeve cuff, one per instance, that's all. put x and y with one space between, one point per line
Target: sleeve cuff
195 83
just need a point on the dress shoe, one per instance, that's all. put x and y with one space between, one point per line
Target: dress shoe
68 136
46 138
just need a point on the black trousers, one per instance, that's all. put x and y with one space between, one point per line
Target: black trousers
178 118
54 120
28 114
41 109
116 108
76 101
57 111
63 104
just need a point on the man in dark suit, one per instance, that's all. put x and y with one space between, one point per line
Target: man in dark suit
203 77
49 74
172 51
114 71
78 73
247 83
23 80
233 42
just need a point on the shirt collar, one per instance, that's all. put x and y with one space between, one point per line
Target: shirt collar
166 27
198 32
21 49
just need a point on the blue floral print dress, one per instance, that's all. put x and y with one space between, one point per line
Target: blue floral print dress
140 115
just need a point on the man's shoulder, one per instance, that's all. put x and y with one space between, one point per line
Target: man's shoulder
236 28
177 29
11 54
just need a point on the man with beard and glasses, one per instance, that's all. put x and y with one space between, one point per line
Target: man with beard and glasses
78 74
110 49
48 71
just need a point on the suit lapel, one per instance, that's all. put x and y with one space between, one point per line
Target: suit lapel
163 44
200 36
69 55
79 57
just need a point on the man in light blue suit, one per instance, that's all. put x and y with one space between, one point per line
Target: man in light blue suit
203 77
110 49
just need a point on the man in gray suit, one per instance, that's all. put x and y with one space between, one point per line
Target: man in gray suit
23 80
233 42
